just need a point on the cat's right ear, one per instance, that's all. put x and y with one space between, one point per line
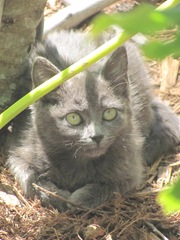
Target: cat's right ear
42 70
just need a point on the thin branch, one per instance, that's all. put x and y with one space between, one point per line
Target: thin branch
53 194
74 14
18 194
156 231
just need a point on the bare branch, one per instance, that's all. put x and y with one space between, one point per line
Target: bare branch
74 14
53 194
156 231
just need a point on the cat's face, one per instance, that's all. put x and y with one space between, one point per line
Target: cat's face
89 116
86 114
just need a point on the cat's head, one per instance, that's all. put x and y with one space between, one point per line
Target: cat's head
84 115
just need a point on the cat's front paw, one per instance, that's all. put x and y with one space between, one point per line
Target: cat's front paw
48 199
81 198
90 196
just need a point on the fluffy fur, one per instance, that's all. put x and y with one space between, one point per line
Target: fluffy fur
88 162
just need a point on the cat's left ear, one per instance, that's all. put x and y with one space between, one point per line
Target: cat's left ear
116 70
42 70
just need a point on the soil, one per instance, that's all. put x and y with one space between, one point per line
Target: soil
136 217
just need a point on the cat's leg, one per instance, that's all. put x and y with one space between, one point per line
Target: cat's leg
164 134
23 173
91 195
26 176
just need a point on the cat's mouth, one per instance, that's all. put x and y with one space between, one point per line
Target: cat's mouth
91 150
94 151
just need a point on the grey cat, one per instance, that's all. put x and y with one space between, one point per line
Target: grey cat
91 136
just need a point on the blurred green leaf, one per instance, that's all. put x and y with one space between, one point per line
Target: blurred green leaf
158 50
174 14
101 23
144 19
147 20
170 198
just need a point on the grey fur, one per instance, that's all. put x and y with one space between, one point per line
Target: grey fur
87 163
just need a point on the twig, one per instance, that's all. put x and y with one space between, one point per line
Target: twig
129 224
97 210
148 192
75 14
153 170
151 179
155 166
53 194
156 231
168 175
19 195
79 237
174 164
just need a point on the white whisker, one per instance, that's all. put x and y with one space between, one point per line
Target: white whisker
75 154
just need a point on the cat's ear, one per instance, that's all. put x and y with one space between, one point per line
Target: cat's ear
42 70
116 71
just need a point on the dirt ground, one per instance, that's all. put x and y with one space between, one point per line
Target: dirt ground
136 217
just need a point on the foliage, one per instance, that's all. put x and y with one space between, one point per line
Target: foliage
170 198
147 20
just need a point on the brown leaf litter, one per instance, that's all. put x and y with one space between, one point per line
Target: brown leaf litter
135 217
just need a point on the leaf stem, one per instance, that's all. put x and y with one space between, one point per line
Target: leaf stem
58 79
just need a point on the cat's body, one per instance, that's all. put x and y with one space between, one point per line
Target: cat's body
90 136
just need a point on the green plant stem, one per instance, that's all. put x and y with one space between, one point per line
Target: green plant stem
58 79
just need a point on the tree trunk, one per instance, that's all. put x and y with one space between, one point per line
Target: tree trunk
20 25
19 20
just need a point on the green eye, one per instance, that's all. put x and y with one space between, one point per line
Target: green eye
109 114
74 119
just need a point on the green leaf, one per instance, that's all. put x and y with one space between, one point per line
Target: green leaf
174 14
170 198
144 19
158 50
101 23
